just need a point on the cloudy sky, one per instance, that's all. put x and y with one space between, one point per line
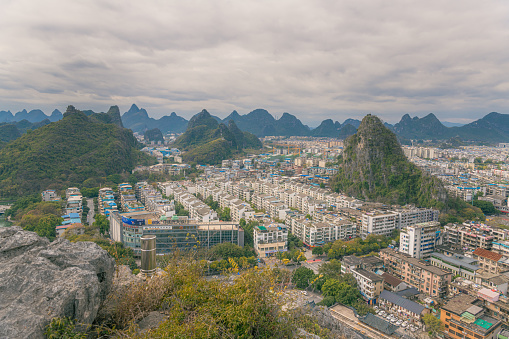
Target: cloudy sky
315 59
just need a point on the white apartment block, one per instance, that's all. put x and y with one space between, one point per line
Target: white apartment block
377 222
270 239
420 240
412 215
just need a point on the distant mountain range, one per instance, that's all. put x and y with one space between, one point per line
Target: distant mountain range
492 128
35 115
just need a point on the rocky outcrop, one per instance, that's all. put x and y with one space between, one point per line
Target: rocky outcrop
40 280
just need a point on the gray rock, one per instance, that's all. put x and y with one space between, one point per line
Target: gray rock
40 280
151 321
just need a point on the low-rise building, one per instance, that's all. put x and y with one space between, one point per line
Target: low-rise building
457 264
490 261
50 195
370 284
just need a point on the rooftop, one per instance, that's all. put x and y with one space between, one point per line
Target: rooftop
488 254
459 304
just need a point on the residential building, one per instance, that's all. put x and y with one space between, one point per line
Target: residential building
490 261
379 223
351 262
50 195
427 279
106 201
392 283
464 316
270 239
469 237
420 240
370 284
410 215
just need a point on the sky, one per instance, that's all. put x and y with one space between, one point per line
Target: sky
314 59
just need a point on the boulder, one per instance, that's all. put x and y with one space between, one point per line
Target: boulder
40 280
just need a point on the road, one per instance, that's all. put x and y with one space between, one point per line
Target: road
91 212
347 317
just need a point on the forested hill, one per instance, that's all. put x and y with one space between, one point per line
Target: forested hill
66 153
208 142
373 167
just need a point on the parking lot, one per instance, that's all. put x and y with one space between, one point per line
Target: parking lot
407 326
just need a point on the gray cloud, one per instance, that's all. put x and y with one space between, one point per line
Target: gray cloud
315 59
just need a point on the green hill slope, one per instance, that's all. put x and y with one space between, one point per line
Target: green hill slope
65 153
208 142
375 168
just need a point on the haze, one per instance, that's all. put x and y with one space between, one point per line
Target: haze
314 59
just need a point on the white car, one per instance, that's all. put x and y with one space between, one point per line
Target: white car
304 292
377 311
382 312
393 321
403 325
398 323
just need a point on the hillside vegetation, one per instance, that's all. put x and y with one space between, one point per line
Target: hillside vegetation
66 153
208 142
374 168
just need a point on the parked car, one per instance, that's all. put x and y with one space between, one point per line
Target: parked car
398 323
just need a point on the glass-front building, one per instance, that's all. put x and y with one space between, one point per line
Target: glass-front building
172 233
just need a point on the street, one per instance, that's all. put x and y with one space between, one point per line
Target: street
91 212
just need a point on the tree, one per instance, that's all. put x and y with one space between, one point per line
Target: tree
433 325
486 207
331 269
101 222
331 287
362 308
322 185
302 277
317 250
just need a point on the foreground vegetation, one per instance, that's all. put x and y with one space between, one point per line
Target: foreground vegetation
249 306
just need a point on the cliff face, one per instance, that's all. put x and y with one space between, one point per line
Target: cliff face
42 280
373 167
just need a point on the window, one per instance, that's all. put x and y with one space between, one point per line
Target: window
448 314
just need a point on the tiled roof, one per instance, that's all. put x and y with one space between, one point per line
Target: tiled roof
379 323
488 254
402 302
391 280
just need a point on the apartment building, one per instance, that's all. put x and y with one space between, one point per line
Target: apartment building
420 240
410 215
466 237
472 236
352 262
316 233
270 239
464 317
422 275
370 284
379 223
491 262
